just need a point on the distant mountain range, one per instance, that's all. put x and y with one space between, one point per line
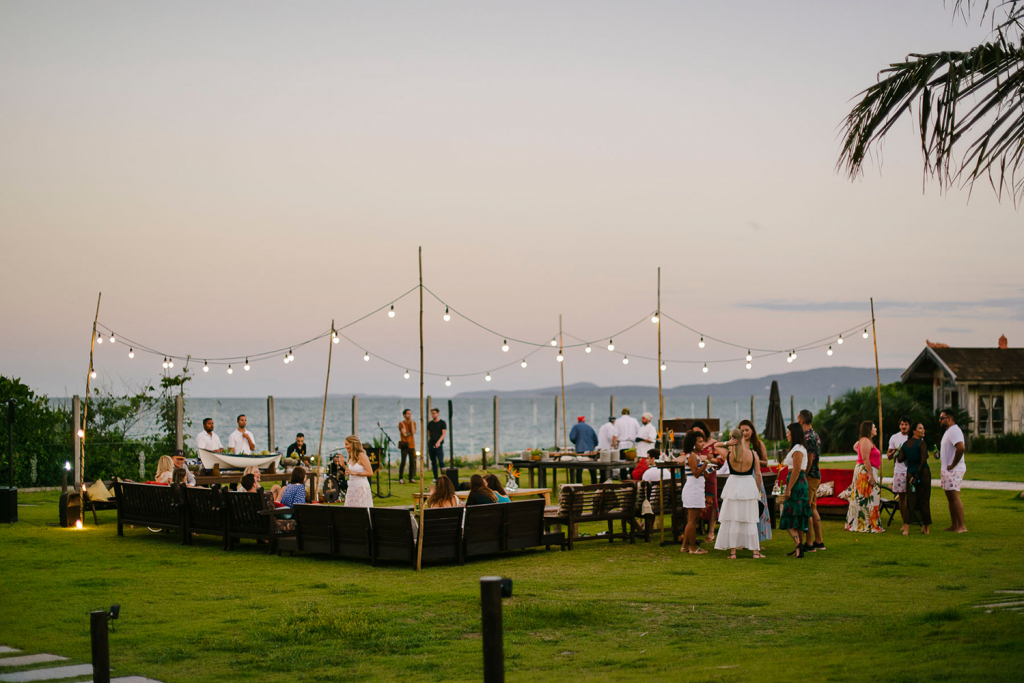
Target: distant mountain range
819 382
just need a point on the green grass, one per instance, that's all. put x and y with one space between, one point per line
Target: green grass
892 607
985 466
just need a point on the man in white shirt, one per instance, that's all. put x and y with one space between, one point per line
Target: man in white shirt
899 474
646 435
241 440
951 456
626 429
606 435
653 472
208 439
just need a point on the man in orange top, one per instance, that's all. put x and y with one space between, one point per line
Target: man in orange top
407 445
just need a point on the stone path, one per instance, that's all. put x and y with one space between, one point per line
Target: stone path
49 673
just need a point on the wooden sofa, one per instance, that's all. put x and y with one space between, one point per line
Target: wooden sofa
148 505
608 502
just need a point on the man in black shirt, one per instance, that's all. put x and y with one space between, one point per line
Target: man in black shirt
298 448
437 429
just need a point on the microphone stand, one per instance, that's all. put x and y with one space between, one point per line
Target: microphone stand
387 460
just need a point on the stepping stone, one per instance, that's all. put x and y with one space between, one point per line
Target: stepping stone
30 659
132 679
4 650
48 674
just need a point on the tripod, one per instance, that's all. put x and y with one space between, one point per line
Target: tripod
385 462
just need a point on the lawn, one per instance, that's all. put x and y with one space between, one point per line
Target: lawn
890 607
986 466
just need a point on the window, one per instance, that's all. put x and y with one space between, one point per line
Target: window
990 415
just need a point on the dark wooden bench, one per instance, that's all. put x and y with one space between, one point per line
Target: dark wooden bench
609 502
484 530
524 526
330 530
148 505
252 515
442 534
393 536
204 513
674 511
351 532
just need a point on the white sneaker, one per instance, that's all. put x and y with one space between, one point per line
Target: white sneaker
401 481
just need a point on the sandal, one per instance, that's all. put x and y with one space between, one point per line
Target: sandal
758 555
732 555
698 551
798 553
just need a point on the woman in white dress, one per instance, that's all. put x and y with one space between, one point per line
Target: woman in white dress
740 499
359 473
693 490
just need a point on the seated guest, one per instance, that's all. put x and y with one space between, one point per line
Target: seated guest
298 449
164 470
179 464
178 478
495 485
295 492
641 468
653 472
443 495
248 485
479 494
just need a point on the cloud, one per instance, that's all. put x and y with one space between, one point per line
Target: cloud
1012 308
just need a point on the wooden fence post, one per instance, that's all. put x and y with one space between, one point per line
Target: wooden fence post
355 416
179 422
271 428
497 451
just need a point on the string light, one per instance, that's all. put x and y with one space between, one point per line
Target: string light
206 366
391 313
664 367
701 342
559 357
625 360
655 318
165 362
705 370
487 377
504 346
865 335
286 361
406 375
789 358
334 336
81 434
246 366
230 371
749 365
99 338
291 356
112 338
840 340
92 374
749 357
447 315
170 362
588 349
829 352
131 352
554 342
523 364
366 355
794 354
611 345
447 381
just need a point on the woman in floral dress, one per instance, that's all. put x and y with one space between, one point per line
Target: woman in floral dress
863 514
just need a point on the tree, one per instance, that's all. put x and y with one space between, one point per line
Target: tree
971 101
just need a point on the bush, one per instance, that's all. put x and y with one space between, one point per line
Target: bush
1007 443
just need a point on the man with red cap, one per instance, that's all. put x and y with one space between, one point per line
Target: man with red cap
584 438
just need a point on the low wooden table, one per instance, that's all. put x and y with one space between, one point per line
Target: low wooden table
518 493
542 466
225 479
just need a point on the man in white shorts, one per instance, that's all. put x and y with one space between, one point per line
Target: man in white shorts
899 474
951 455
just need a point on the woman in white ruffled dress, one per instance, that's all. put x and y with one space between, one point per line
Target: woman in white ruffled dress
359 494
740 499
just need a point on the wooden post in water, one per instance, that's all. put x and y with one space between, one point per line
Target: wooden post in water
497 450
611 406
556 423
423 427
878 378
271 429
709 406
565 433
792 409
355 416
752 413
179 422
85 412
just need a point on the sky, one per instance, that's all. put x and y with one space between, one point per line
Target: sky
233 176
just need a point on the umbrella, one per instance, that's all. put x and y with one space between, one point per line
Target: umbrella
774 426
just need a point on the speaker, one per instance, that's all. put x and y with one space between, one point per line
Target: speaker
8 505
453 474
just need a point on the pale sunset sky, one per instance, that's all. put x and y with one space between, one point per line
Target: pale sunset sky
234 175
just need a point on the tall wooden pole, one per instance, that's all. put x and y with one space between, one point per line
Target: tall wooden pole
661 397
878 379
565 434
423 426
88 384
323 417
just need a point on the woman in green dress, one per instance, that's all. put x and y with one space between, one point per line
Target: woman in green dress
919 478
796 510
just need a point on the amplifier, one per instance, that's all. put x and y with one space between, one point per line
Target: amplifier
8 505
453 474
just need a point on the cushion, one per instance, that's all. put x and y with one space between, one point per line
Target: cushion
563 500
98 492
826 489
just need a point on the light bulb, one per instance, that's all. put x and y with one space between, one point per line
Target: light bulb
291 356
611 345
92 373
625 360
230 371
705 368
749 357
655 318
170 362
78 524
664 367
81 433
840 340
523 364
829 352
391 313
559 357
789 359
406 375
67 466
794 354
112 338
334 336
206 366
701 342
554 342
366 355
447 381
587 349
447 316
504 345
99 338
748 365
286 359
131 352
865 335
487 377
165 362
246 366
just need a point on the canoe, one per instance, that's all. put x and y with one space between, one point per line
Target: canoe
237 460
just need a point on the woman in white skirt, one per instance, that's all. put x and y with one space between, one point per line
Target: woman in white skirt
693 490
740 499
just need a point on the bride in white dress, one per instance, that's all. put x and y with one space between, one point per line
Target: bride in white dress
359 473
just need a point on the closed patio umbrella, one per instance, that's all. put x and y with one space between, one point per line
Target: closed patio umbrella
775 425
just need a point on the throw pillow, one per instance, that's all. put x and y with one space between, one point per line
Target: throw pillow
826 489
98 492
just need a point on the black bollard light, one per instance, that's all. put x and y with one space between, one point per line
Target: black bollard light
492 590
9 496
100 646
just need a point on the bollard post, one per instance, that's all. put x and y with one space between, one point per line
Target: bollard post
493 640
100 647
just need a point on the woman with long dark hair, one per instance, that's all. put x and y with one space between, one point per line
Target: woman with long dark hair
740 499
865 498
479 492
494 484
756 446
443 495
914 454
796 511
693 490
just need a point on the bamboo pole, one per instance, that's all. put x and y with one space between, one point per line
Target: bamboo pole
88 384
565 434
323 417
878 379
661 397
423 443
